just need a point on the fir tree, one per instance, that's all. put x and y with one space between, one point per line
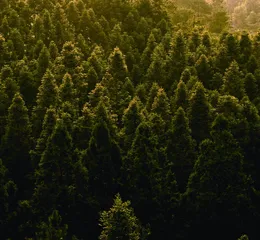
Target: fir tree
199 114
181 148
16 143
120 222
233 83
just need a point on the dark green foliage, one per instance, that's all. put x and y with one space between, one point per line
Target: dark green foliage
218 181
47 96
106 97
181 148
103 160
204 70
120 222
16 143
233 83
199 114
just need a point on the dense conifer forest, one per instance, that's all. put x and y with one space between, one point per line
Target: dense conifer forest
131 120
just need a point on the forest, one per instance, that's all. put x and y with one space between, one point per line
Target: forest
129 119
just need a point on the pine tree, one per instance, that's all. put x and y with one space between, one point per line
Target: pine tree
56 177
82 128
233 83
47 96
48 27
120 222
152 94
177 59
117 67
147 53
66 89
204 70
180 98
53 229
161 105
18 42
16 143
141 171
245 47
218 181
8 191
43 61
103 160
71 56
49 123
181 151
251 86
131 119
199 114
92 78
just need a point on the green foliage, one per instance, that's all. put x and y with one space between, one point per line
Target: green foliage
143 98
120 222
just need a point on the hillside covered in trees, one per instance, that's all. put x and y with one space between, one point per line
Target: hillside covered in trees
122 119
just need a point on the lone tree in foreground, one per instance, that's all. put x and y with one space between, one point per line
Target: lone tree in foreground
119 222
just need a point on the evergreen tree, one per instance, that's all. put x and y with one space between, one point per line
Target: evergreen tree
8 191
82 128
53 229
66 89
181 151
204 70
120 222
245 47
161 105
218 181
43 60
199 114
251 86
233 83
103 160
16 143
131 119
180 98
49 123
47 96
141 171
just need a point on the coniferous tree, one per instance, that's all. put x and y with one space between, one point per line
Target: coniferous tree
120 222
47 96
233 83
8 191
180 99
103 160
49 123
16 143
199 114
181 151
218 181
131 119
204 70
251 87
43 60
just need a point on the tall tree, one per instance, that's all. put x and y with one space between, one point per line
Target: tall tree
233 82
181 151
16 143
120 222
199 114
47 96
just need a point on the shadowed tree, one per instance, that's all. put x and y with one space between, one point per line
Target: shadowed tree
199 114
16 143
181 151
47 96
